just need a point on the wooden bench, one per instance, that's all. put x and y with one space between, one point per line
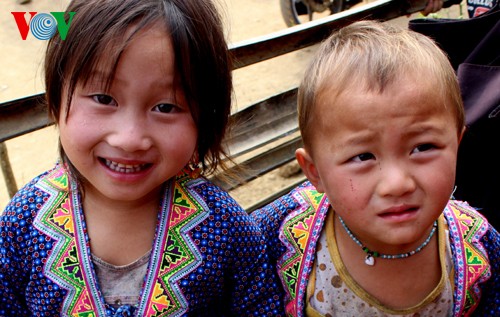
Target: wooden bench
265 134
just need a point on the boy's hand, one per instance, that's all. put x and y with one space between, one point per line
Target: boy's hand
432 6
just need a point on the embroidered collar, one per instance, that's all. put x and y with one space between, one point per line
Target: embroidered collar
173 255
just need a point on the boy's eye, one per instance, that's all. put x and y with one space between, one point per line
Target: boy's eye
104 99
424 147
165 108
363 157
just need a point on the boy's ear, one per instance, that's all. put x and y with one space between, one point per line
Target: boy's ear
309 168
462 134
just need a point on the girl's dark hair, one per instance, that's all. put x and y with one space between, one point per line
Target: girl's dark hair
96 37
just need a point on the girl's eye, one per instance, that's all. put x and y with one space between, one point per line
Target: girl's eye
424 147
165 108
363 157
104 99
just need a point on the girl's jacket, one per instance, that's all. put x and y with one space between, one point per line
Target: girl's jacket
208 257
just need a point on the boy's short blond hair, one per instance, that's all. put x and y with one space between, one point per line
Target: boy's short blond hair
370 56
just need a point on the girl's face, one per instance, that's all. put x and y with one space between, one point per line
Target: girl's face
128 140
386 162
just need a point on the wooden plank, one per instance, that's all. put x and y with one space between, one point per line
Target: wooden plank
263 122
260 164
261 48
28 114
275 195
8 175
259 125
22 116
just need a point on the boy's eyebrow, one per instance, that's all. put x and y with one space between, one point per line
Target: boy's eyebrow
363 137
359 138
422 128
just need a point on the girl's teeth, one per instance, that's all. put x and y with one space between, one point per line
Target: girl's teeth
124 168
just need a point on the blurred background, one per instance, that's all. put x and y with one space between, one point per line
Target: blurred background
21 72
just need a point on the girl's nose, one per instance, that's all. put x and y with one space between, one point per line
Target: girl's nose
395 180
131 134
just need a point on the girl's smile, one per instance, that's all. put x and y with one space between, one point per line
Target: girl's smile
127 168
127 138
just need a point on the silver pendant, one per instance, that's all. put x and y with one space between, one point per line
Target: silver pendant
370 260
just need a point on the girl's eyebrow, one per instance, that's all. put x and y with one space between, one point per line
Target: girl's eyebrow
97 79
98 75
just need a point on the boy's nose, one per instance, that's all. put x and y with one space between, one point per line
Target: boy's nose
395 180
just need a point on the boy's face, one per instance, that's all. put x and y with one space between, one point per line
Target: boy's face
127 140
385 160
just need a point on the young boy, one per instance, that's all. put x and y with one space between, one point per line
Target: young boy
374 232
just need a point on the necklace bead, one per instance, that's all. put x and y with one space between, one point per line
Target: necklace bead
371 255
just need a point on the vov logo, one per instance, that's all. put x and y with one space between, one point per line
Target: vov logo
43 26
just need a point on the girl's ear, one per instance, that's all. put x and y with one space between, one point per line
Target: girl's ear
309 168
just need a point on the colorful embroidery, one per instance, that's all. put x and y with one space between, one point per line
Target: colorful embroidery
472 266
68 264
299 234
174 254
180 255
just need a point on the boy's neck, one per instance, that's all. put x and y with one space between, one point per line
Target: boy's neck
402 287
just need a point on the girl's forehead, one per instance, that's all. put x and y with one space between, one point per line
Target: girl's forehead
108 56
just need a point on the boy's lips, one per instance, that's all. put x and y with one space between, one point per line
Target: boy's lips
401 212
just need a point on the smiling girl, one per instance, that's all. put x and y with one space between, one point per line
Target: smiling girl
124 225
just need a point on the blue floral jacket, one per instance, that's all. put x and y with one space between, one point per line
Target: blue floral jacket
293 224
208 257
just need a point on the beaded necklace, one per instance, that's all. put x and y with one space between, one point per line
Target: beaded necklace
371 255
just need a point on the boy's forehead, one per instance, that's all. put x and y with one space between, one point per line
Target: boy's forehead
404 98
331 89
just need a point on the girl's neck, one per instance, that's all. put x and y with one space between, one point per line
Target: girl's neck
120 232
95 200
